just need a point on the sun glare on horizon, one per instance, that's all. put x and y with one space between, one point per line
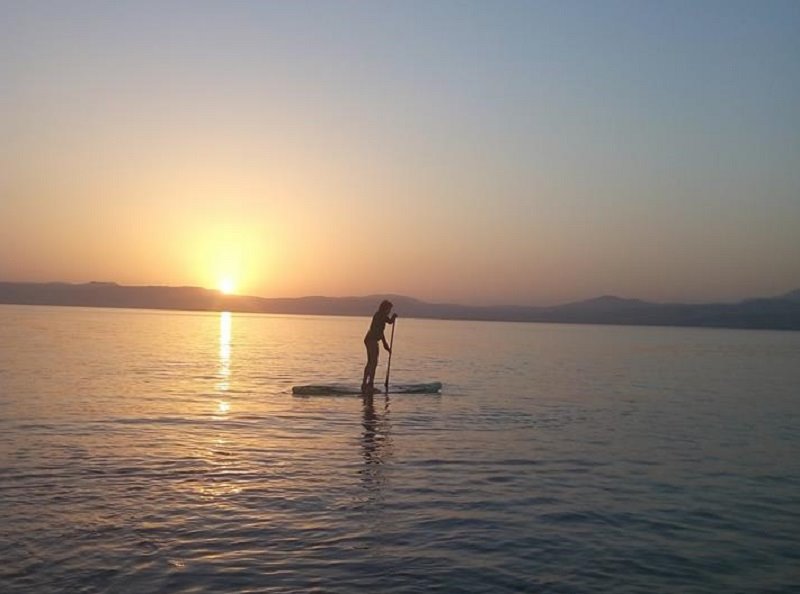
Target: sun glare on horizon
227 286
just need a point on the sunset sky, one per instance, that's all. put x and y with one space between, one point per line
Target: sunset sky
487 152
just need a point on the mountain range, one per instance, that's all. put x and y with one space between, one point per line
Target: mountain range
781 312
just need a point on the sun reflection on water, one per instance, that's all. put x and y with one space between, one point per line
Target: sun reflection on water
223 385
218 480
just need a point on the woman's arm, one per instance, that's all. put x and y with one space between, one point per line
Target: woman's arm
389 320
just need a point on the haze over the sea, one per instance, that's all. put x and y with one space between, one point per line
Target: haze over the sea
476 152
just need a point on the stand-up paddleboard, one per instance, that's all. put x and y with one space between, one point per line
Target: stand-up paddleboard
348 390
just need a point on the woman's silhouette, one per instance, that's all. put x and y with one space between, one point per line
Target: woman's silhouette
375 334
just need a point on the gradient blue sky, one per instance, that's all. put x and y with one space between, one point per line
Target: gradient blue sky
493 152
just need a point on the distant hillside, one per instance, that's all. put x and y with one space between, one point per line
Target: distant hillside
792 295
782 312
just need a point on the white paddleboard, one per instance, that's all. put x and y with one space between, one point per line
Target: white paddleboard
347 390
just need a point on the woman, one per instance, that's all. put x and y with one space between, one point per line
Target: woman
374 334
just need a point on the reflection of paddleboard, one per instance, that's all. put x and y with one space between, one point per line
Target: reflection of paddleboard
346 390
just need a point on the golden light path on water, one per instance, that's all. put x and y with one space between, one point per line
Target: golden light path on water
225 327
220 482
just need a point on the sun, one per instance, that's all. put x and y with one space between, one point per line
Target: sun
226 286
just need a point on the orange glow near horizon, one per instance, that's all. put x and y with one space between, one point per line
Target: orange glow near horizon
233 256
227 286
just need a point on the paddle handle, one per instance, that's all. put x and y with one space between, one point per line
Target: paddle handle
391 348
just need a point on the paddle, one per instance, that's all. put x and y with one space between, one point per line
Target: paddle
391 348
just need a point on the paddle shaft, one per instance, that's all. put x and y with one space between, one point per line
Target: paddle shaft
391 348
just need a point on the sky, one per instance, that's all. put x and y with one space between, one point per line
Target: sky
476 152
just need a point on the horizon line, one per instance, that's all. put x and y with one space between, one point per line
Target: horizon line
606 296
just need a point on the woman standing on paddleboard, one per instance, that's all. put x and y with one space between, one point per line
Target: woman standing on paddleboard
375 334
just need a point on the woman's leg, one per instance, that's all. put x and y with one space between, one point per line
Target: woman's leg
366 368
372 364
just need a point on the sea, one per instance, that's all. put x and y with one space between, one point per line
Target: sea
154 451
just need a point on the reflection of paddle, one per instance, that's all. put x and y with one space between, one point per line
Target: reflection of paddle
391 348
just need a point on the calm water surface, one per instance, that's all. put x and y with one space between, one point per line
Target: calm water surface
163 452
